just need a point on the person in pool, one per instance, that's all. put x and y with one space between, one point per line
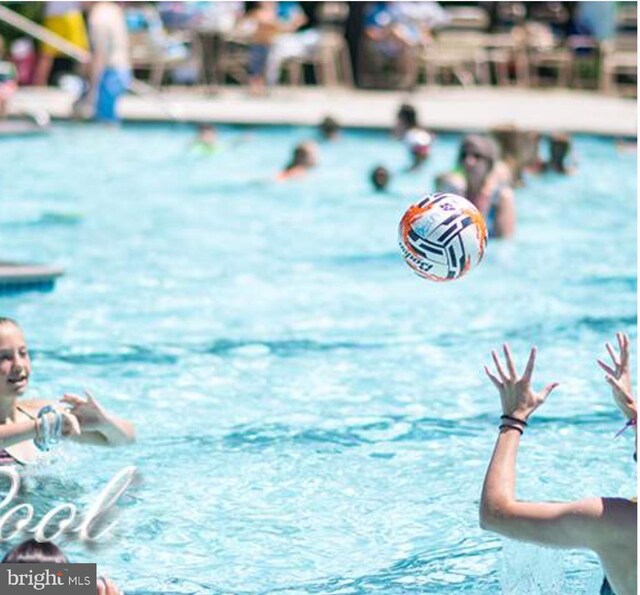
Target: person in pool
559 154
485 182
607 526
206 141
36 552
419 142
406 119
24 426
380 178
305 157
329 129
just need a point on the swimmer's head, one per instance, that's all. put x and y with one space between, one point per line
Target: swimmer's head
477 155
559 149
329 128
380 177
207 133
407 116
15 363
304 155
35 552
419 143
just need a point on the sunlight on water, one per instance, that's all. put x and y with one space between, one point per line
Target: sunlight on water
312 417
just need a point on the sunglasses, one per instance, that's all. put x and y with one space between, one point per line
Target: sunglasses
466 154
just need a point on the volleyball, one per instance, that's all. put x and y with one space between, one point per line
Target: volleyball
442 236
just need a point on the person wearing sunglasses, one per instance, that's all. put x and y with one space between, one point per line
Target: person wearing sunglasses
486 182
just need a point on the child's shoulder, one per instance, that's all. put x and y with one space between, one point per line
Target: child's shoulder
34 405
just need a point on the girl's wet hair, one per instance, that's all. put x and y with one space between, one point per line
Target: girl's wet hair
35 552
302 156
4 321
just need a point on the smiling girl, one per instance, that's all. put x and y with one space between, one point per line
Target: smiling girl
32 426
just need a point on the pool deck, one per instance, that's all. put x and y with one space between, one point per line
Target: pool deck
440 108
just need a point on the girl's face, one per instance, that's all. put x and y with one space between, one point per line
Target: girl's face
15 364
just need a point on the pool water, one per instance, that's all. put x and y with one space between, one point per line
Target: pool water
313 417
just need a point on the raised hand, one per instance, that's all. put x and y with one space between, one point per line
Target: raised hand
88 411
618 377
518 398
70 424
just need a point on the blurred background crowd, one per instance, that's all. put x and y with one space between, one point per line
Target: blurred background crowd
375 45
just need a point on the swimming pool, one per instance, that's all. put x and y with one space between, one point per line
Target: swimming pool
312 417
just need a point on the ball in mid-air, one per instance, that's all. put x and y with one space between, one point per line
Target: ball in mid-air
442 236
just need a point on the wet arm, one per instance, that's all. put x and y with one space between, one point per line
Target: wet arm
11 434
506 215
114 432
564 525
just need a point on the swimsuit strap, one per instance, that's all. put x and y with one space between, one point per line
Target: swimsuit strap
494 197
25 412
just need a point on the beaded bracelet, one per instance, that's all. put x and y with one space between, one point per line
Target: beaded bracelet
631 423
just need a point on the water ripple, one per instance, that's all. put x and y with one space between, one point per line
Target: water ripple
125 354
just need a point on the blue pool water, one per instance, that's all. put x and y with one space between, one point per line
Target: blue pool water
312 417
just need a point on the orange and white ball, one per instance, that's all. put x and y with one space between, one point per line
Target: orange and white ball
442 236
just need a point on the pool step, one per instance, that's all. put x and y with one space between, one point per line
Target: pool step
25 277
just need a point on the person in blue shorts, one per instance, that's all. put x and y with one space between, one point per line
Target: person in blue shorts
110 68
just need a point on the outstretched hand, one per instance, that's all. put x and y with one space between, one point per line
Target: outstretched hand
518 398
88 411
618 377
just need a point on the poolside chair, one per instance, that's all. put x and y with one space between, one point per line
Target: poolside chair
152 48
544 51
233 59
469 18
459 53
548 13
332 15
330 62
627 17
619 57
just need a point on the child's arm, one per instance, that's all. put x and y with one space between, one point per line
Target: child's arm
99 426
12 434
